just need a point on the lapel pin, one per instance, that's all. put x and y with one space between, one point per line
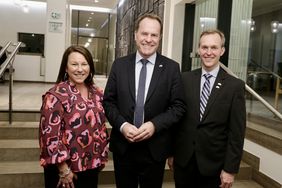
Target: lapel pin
217 87
160 65
219 84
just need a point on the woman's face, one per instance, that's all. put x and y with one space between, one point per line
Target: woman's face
78 68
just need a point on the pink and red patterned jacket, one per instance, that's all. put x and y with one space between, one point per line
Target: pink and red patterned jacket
72 128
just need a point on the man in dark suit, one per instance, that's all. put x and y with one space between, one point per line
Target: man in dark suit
208 143
140 149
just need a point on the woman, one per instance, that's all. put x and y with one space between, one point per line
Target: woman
73 136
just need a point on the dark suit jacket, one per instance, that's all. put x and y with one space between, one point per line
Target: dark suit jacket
164 104
218 139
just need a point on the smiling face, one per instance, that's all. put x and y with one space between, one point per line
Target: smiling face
77 68
147 37
210 50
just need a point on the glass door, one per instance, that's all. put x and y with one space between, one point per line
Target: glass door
91 30
205 18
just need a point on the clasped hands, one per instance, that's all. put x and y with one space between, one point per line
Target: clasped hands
134 134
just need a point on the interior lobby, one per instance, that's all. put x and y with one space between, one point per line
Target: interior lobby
35 33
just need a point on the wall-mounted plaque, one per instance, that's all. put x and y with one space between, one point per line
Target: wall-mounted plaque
56 27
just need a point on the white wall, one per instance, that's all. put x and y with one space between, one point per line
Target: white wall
28 68
55 39
173 25
14 20
270 162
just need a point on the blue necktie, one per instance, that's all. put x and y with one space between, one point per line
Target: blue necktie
139 108
205 94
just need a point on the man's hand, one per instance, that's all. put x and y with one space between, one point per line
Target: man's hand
227 179
129 131
145 131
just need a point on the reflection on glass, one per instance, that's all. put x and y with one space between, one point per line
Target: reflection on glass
265 57
91 30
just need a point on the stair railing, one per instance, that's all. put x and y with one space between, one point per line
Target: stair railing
255 94
9 62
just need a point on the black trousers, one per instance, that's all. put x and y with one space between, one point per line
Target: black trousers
85 179
137 167
190 177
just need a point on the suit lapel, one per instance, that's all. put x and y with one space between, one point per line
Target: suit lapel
158 69
218 85
196 85
131 74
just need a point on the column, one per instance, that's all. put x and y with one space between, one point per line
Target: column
55 37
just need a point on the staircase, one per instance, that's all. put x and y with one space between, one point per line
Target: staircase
19 157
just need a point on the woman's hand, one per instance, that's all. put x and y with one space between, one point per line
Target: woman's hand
67 181
66 176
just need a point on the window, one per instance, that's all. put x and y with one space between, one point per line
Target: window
34 43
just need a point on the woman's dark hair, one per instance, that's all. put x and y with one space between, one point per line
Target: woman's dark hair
62 76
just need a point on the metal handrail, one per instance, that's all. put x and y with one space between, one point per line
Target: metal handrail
9 61
4 49
251 91
267 70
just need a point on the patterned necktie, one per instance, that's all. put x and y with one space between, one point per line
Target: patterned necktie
139 108
205 94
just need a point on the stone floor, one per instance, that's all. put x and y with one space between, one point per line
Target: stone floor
27 95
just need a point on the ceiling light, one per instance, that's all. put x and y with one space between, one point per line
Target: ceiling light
274 26
86 44
25 9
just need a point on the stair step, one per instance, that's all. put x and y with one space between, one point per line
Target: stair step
30 173
246 184
19 130
19 159
245 172
21 174
19 150
237 184
21 115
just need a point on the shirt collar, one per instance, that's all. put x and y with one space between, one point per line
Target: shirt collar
151 59
214 72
